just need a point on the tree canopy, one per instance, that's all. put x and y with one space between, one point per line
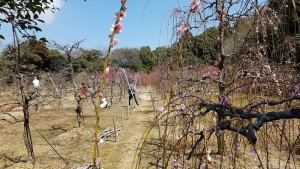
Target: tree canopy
23 15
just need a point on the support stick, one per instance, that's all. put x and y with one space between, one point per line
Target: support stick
128 112
115 129
122 117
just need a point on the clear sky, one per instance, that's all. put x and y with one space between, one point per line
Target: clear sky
145 23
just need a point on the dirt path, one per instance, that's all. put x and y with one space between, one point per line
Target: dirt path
124 149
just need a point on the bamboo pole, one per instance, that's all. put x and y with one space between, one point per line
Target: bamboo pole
115 129
122 117
128 112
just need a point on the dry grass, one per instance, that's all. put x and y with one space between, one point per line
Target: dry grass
58 124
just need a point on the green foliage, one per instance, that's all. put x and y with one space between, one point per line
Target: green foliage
188 56
6 67
289 11
76 67
24 15
161 55
34 55
127 58
8 52
206 45
30 58
56 61
91 55
90 60
165 56
80 64
189 59
147 58
281 36
7 62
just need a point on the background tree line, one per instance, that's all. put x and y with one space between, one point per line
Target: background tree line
37 56
200 48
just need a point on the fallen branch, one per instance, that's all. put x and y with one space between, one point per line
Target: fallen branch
106 133
109 132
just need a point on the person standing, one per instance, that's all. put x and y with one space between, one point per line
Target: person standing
94 85
36 83
131 92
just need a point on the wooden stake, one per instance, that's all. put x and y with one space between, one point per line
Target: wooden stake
153 105
122 117
115 129
158 127
130 107
128 112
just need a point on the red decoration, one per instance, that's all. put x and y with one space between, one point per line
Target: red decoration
83 90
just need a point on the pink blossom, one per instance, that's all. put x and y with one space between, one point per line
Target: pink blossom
237 145
112 29
183 28
203 165
118 28
252 151
101 141
98 161
175 164
122 15
107 70
163 110
223 100
297 89
114 42
230 156
209 160
151 120
266 8
183 106
103 103
221 158
195 5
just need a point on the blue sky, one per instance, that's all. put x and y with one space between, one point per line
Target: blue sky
145 23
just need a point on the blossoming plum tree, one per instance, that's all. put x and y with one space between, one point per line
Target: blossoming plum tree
116 29
210 102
